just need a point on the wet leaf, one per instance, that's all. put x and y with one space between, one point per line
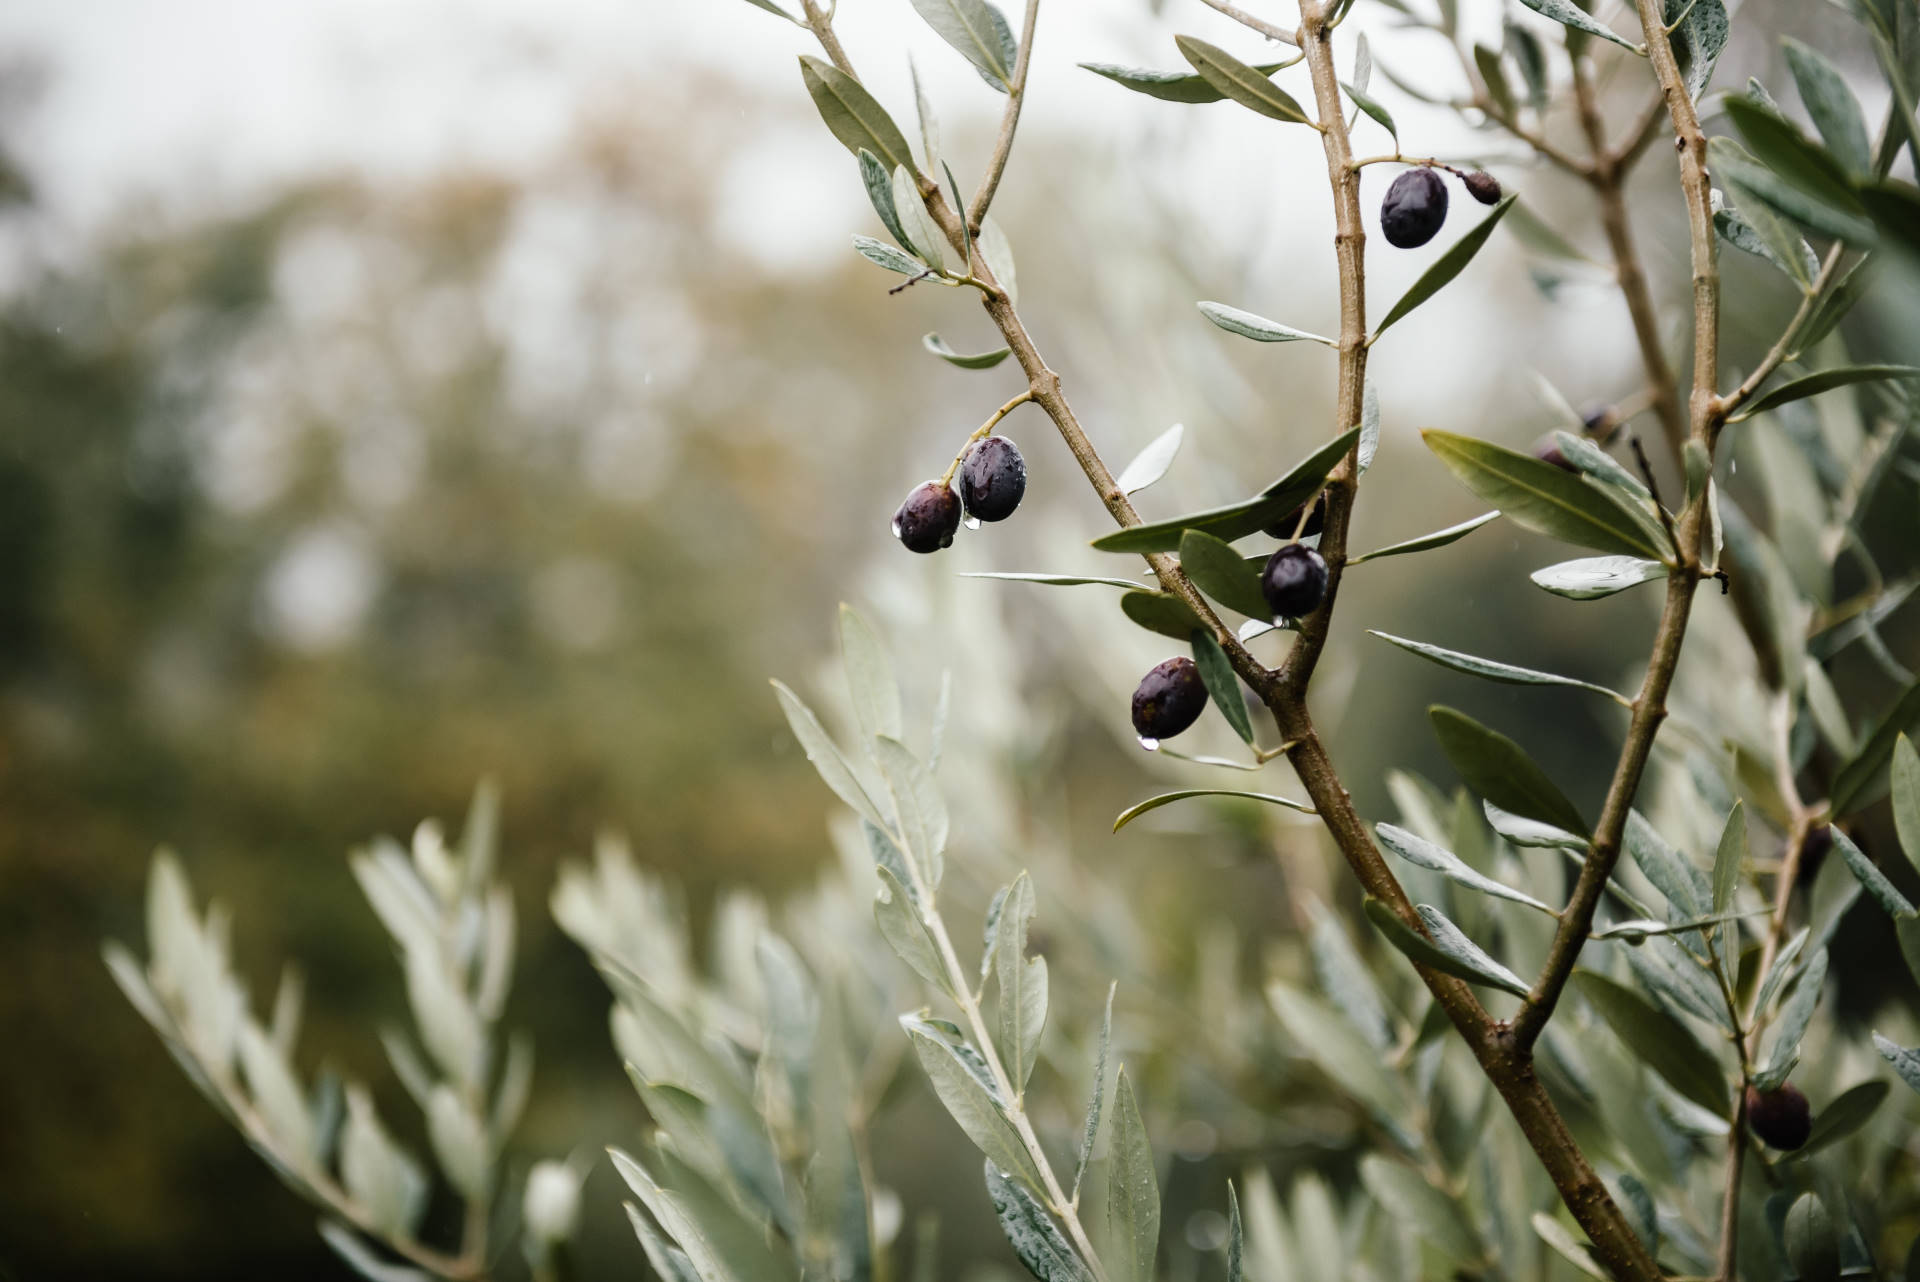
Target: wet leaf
1446 267
1258 328
1223 687
1133 1194
1425 854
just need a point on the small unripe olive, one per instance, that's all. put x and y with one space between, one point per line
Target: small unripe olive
993 479
928 518
1414 208
1316 520
1170 698
1294 581
1482 186
1779 1118
1547 450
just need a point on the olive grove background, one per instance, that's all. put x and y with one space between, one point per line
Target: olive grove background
396 396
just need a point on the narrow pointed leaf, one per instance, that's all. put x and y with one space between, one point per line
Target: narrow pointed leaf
1446 267
1871 879
1151 463
1500 771
979 31
870 680
1659 1040
1905 775
1258 328
1853 1109
1857 782
1022 1006
1677 880
1236 80
1905 1062
1055 580
1542 497
970 1103
1368 104
1832 107
1223 574
1436 1216
1757 228
1456 956
1133 1194
1223 687
1236 1246
1593 577
1825 381
905 933
1520 831
1171 86
879 186
1161 612
1795 178
1035 1237
1796 1013
852 114
1097 1097
1427 542
881 254
1237 520
977 360
1424 854
1730 857
1491 670
918 802
826 758
1702 37
1132 813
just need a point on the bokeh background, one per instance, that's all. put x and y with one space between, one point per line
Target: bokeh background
393 395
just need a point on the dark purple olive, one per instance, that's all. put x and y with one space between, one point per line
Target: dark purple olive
1818 842
1415 206
1547 450
1780 1118
993 479
1170 698
1316 520
927 520
1482 186
1597 420
1294 582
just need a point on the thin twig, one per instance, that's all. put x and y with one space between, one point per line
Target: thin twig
1246 19
982 430
1009 121
1783 347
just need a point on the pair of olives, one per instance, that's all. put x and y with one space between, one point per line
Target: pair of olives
993 480
1415 206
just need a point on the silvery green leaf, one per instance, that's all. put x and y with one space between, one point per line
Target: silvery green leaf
1223 687
1846 1114
918 801
1095 1099
880 195
132 981
449 1026
852 115
1133 812
459 1142
1659 1040
407 1064
881 254
1905 1062
1599 464
1568 1247
977 360
1236 1245
1444 268
1905 777
1151 463
929 123
496 968
1500 770
276 1095
1871 879
1521 831
1424 854
1427 542
1544 498
1780 971
1258 328
1347 1059
1640 929
1829 714
826 758
1237 520
1372 107
1345 980
979 31
1032 1233
1236 80
970 1102
1796 1013
1160 612
1056 580
1457 956
870 679
288 999
1133 1194
1491 670
1571 15
1678 979
397 898
516 1084
990 930
1022 1006
923 239
1169 86
905 933
1701 38
1369 431
359 1257
709 1264
1730 857
1858 781
1593 577
1671 873
1757 228
668 1261
377 1172
1435 1216
995 248
1362 75
1736 166
1832 107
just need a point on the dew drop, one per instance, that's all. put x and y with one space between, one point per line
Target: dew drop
894 527
973 523
1151 745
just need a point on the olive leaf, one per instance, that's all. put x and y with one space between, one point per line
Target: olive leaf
900 925
965 1091
1490 670
1832 107
1447 266
1095 1099
1022 1006
1372 107
1905 777
1237 520
1857 782
981 360
1905 1062
1568 14
1500 771
1793 174
1542 497
1151 463
1053 580
1520 831
1223 687
979 31
1700 38
1434 1215
1757 229
1133 1194
852 114
1425 854
1035 1237
1427 542
1448 951
1258 328
1659 1040
881 254
1850 1111
917 801
1223 574
1171 86
1133 812
870 679
1161 612
832 767
1236 80
879 186
1871 879
1730 857
1824 381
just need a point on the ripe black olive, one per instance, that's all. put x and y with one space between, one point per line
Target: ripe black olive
1781 1118
1294 582
1482 186
1414 209
993 479
928 518
1170 698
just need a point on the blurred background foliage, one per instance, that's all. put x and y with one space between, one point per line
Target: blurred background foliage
316 511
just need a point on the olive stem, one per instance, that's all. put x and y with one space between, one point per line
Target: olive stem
982 431
1245 19
1009 121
